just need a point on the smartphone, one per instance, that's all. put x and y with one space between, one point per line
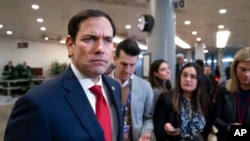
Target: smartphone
175 129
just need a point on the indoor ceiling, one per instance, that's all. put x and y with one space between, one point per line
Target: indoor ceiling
20 18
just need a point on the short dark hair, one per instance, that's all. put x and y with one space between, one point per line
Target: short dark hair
75 21
129 46
200 62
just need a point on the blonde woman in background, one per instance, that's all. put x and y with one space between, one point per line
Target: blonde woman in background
232 103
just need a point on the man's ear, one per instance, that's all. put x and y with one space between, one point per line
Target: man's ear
70 46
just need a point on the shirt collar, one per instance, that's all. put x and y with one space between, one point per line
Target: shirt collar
126 82
83 79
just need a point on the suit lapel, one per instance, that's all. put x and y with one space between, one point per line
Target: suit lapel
79 103
115 95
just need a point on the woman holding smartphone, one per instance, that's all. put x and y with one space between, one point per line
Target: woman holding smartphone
185 113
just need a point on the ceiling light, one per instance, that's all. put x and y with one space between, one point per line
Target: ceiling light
40 20
194 32
35 6
205 51
128 26
181 43
9 32
62 41
187 22
220 26
222 38
43 28
1 26
198 39
46 38
117 39
223 11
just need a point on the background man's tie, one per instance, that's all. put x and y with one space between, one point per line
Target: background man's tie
102 112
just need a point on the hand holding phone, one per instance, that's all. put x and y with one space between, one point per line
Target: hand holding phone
175 130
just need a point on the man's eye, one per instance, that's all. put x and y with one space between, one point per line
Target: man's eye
88 39
109 40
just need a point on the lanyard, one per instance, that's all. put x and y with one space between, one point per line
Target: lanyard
240 113
125 108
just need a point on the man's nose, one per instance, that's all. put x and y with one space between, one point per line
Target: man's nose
99 47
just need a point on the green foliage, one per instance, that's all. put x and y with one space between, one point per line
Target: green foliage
19 72
56 67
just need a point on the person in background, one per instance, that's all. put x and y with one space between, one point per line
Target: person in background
209 83
68 107
186 112
25 66
208 72
137 94
217 74
8 68
233 97
179 63
227 70
159 78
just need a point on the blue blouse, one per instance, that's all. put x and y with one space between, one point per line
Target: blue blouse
193 122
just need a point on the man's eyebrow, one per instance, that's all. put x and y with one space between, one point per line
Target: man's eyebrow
110 37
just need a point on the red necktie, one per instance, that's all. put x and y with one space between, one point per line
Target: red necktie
102 112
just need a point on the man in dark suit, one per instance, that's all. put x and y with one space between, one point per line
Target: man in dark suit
179 63
8 68
64 109
227 70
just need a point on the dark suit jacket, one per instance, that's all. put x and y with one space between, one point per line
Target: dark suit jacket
59 110
164 113
225 112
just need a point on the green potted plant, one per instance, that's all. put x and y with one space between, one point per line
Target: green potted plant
56 67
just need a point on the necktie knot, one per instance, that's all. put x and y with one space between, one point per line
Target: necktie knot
97 90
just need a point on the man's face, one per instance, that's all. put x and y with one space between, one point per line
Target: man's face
91 52
125 66
180 60
207 70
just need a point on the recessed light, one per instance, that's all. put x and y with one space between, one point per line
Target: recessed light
220 26
187 22
62 41
43 28
128 26
198 39
40 20
46 38
194 32
9 32
1 26
223 11
35 6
